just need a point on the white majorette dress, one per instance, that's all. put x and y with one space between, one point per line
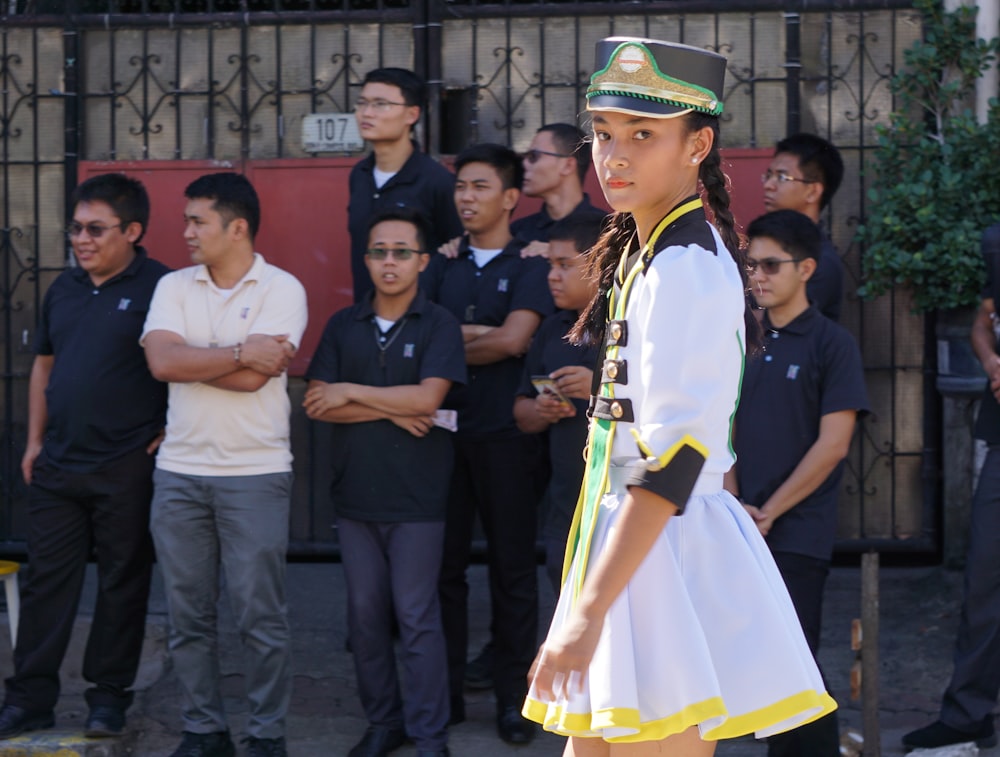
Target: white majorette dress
704 633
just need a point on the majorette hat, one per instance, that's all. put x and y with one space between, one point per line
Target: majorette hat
640 76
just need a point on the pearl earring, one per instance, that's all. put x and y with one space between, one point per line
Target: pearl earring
694 160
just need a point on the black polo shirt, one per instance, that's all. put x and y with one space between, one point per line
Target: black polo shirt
538 226
825 289
567 438
988 421
382 472
808 369
422 183
486 296
102 401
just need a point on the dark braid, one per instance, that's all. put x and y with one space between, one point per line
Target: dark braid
602 261
714 181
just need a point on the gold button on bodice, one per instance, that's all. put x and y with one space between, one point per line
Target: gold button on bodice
611 368
616 331
616 410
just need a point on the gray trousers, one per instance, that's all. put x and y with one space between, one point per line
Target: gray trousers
972 693
239 524
392 570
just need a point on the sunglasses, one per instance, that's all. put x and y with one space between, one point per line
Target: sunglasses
381 253
94 230
533 156
770 266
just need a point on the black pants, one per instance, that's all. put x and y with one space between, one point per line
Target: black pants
975 680
68 513
496 479
805 578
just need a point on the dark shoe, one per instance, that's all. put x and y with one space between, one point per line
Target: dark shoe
479 671
378 741
430 753
457 710
104 720
265 747
16 720
512 728
938 734
216 744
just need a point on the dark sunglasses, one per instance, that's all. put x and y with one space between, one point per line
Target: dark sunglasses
381 253
533 156
94 230
770 266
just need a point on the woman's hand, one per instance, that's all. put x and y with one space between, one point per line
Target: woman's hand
565 657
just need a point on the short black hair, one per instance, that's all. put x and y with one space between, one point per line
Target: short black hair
583 230
406 214
505 162
795 233
819 161
570 140
411 86
233 196
127 197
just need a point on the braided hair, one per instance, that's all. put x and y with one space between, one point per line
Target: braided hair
602 260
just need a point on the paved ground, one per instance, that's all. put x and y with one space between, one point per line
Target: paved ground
918 616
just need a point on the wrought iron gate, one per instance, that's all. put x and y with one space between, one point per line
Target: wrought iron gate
229 82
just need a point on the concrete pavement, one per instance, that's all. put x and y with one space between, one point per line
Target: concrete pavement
919 612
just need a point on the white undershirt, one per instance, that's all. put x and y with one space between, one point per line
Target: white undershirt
381 177
482 257
384 324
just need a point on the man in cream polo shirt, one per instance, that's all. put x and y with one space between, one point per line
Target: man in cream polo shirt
222 334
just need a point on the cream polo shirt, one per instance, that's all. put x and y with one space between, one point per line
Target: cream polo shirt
217 432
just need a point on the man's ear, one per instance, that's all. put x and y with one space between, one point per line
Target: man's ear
510 198
814 193
807 267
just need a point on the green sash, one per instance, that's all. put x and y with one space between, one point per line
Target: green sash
602 431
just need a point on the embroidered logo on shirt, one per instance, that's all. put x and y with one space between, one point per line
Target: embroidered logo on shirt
502 285
123 303
244 313
407 350
793 372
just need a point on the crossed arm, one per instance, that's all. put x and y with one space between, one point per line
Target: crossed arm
409 406
491 344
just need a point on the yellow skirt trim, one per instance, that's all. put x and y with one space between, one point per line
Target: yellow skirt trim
557 720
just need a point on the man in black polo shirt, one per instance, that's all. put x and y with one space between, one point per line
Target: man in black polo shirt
804 175
555 167
571 368
500 299
967 705
379 375
798 407
396 173
95 416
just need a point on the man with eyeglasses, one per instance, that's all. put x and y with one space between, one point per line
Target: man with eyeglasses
95 418
379 375
804 175
798 407
555 167
396 173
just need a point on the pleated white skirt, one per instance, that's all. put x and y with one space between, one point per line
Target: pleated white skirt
704 634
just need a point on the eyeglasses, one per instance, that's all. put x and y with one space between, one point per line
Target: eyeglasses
380 106
94 230
782 177
770 266
533 156
381 253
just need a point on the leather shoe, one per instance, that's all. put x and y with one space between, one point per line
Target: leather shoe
512 728
16 720
104 720
378 741
939 734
